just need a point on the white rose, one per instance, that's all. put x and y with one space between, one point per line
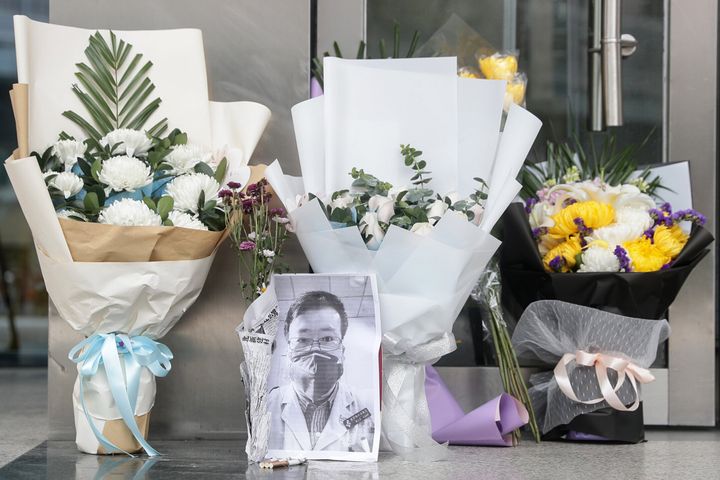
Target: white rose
125 173
268 253
478 211
384 206
68 152
132 143
128 212
371 229
342 201
422 228
185 220
68 183
436 210
185 190
599 259
183 158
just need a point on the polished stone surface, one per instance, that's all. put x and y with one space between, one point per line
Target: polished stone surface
23 411
668 454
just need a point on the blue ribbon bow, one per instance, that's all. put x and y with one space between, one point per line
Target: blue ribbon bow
105 349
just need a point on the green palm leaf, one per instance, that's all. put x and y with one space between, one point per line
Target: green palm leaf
114 91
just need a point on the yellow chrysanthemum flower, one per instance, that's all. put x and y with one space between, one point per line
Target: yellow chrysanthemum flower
645 256
562 258
670 240
499 67
593 214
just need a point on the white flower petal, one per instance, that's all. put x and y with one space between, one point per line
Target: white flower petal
599 259
132 143
185 191
68 183
183 158
185 220
125 173
129 212
68 152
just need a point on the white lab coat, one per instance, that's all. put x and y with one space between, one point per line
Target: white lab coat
288 429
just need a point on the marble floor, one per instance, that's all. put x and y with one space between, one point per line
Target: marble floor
26 454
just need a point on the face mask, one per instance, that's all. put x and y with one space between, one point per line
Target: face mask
315 373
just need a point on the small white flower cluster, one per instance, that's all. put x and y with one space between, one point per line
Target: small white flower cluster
128 171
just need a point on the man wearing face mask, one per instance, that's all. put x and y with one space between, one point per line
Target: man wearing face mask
317 411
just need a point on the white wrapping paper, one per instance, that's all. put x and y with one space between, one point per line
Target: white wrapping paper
423 281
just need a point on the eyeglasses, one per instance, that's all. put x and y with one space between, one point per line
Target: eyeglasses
303 344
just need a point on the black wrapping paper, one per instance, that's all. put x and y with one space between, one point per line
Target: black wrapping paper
635 294
606 423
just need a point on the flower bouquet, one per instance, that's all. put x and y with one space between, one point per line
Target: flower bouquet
427 250
599 245
604 246
124 215
477 58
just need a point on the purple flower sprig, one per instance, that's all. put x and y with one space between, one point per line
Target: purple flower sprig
539 232
568 201
650 234
529 204
662 215
582 228
557 263
623 258
689 215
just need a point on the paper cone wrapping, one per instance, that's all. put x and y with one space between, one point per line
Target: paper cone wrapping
104 278
369 109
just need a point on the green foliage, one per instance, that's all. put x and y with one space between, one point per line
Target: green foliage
317 63
568 162
114 88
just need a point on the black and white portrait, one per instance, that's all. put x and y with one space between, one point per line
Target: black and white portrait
324 386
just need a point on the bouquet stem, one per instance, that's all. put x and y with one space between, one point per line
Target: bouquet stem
512 379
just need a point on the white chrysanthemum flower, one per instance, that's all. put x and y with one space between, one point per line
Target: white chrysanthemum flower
268 253
617 233
638 217
68 152
129 213
132 143
68 183
183 158
185 220
125 173
599 259
185 190
65 213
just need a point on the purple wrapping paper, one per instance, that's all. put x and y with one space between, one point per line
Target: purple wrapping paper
490 424
315 88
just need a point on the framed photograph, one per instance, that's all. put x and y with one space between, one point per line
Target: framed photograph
324 384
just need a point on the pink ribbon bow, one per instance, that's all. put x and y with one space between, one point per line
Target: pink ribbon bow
624 368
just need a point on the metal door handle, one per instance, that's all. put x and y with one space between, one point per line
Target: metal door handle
607 49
